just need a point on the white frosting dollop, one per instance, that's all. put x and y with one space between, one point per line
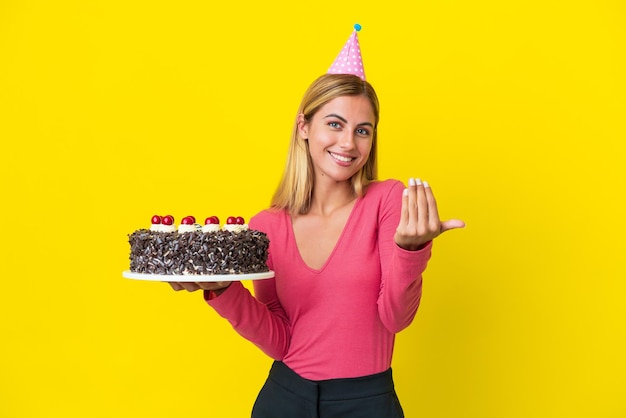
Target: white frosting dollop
162 228
235 227
210 228
182 228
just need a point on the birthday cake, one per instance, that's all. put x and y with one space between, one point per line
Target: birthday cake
193 249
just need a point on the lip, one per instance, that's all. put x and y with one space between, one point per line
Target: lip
341 159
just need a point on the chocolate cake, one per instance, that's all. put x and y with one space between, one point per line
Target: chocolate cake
241 251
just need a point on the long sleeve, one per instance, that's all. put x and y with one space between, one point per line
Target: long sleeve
401 281
261 320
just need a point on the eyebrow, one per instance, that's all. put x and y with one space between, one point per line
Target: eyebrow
334 115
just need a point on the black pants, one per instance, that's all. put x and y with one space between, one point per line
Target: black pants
287 395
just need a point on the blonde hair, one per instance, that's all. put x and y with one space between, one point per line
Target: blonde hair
295 191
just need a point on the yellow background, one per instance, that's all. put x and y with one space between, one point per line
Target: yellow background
113 111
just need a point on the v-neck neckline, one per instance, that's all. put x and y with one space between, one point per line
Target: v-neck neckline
294 242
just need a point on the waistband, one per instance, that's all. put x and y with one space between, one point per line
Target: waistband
332 389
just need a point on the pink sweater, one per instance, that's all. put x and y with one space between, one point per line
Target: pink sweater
339 321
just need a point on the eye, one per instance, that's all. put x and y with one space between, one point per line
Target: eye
335 125
363 132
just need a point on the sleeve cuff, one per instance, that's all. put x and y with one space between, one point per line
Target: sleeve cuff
213 299
424 249
209 295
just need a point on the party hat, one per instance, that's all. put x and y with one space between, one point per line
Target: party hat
349 60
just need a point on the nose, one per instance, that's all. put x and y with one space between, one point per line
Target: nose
346 140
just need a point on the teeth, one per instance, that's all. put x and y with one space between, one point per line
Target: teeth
341 158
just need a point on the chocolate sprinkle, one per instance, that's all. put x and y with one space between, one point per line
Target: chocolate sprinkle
221 252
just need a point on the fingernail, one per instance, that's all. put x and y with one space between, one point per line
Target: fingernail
418 181
426 184
411 181
405 192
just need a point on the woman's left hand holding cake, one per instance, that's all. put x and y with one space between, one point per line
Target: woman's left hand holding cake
216 287
210 224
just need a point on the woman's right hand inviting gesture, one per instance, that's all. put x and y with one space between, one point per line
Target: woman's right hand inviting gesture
419 220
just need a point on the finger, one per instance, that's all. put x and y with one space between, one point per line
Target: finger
213 285
422 207
452 224
207 285
433 212
413 199
176 286
404 212
190 286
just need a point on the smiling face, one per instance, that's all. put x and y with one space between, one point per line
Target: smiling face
340 137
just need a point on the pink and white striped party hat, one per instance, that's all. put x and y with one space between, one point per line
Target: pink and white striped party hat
349 60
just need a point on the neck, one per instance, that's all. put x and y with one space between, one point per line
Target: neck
329 197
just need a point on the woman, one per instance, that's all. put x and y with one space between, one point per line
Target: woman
348 253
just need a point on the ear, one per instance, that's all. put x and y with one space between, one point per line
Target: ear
303 126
